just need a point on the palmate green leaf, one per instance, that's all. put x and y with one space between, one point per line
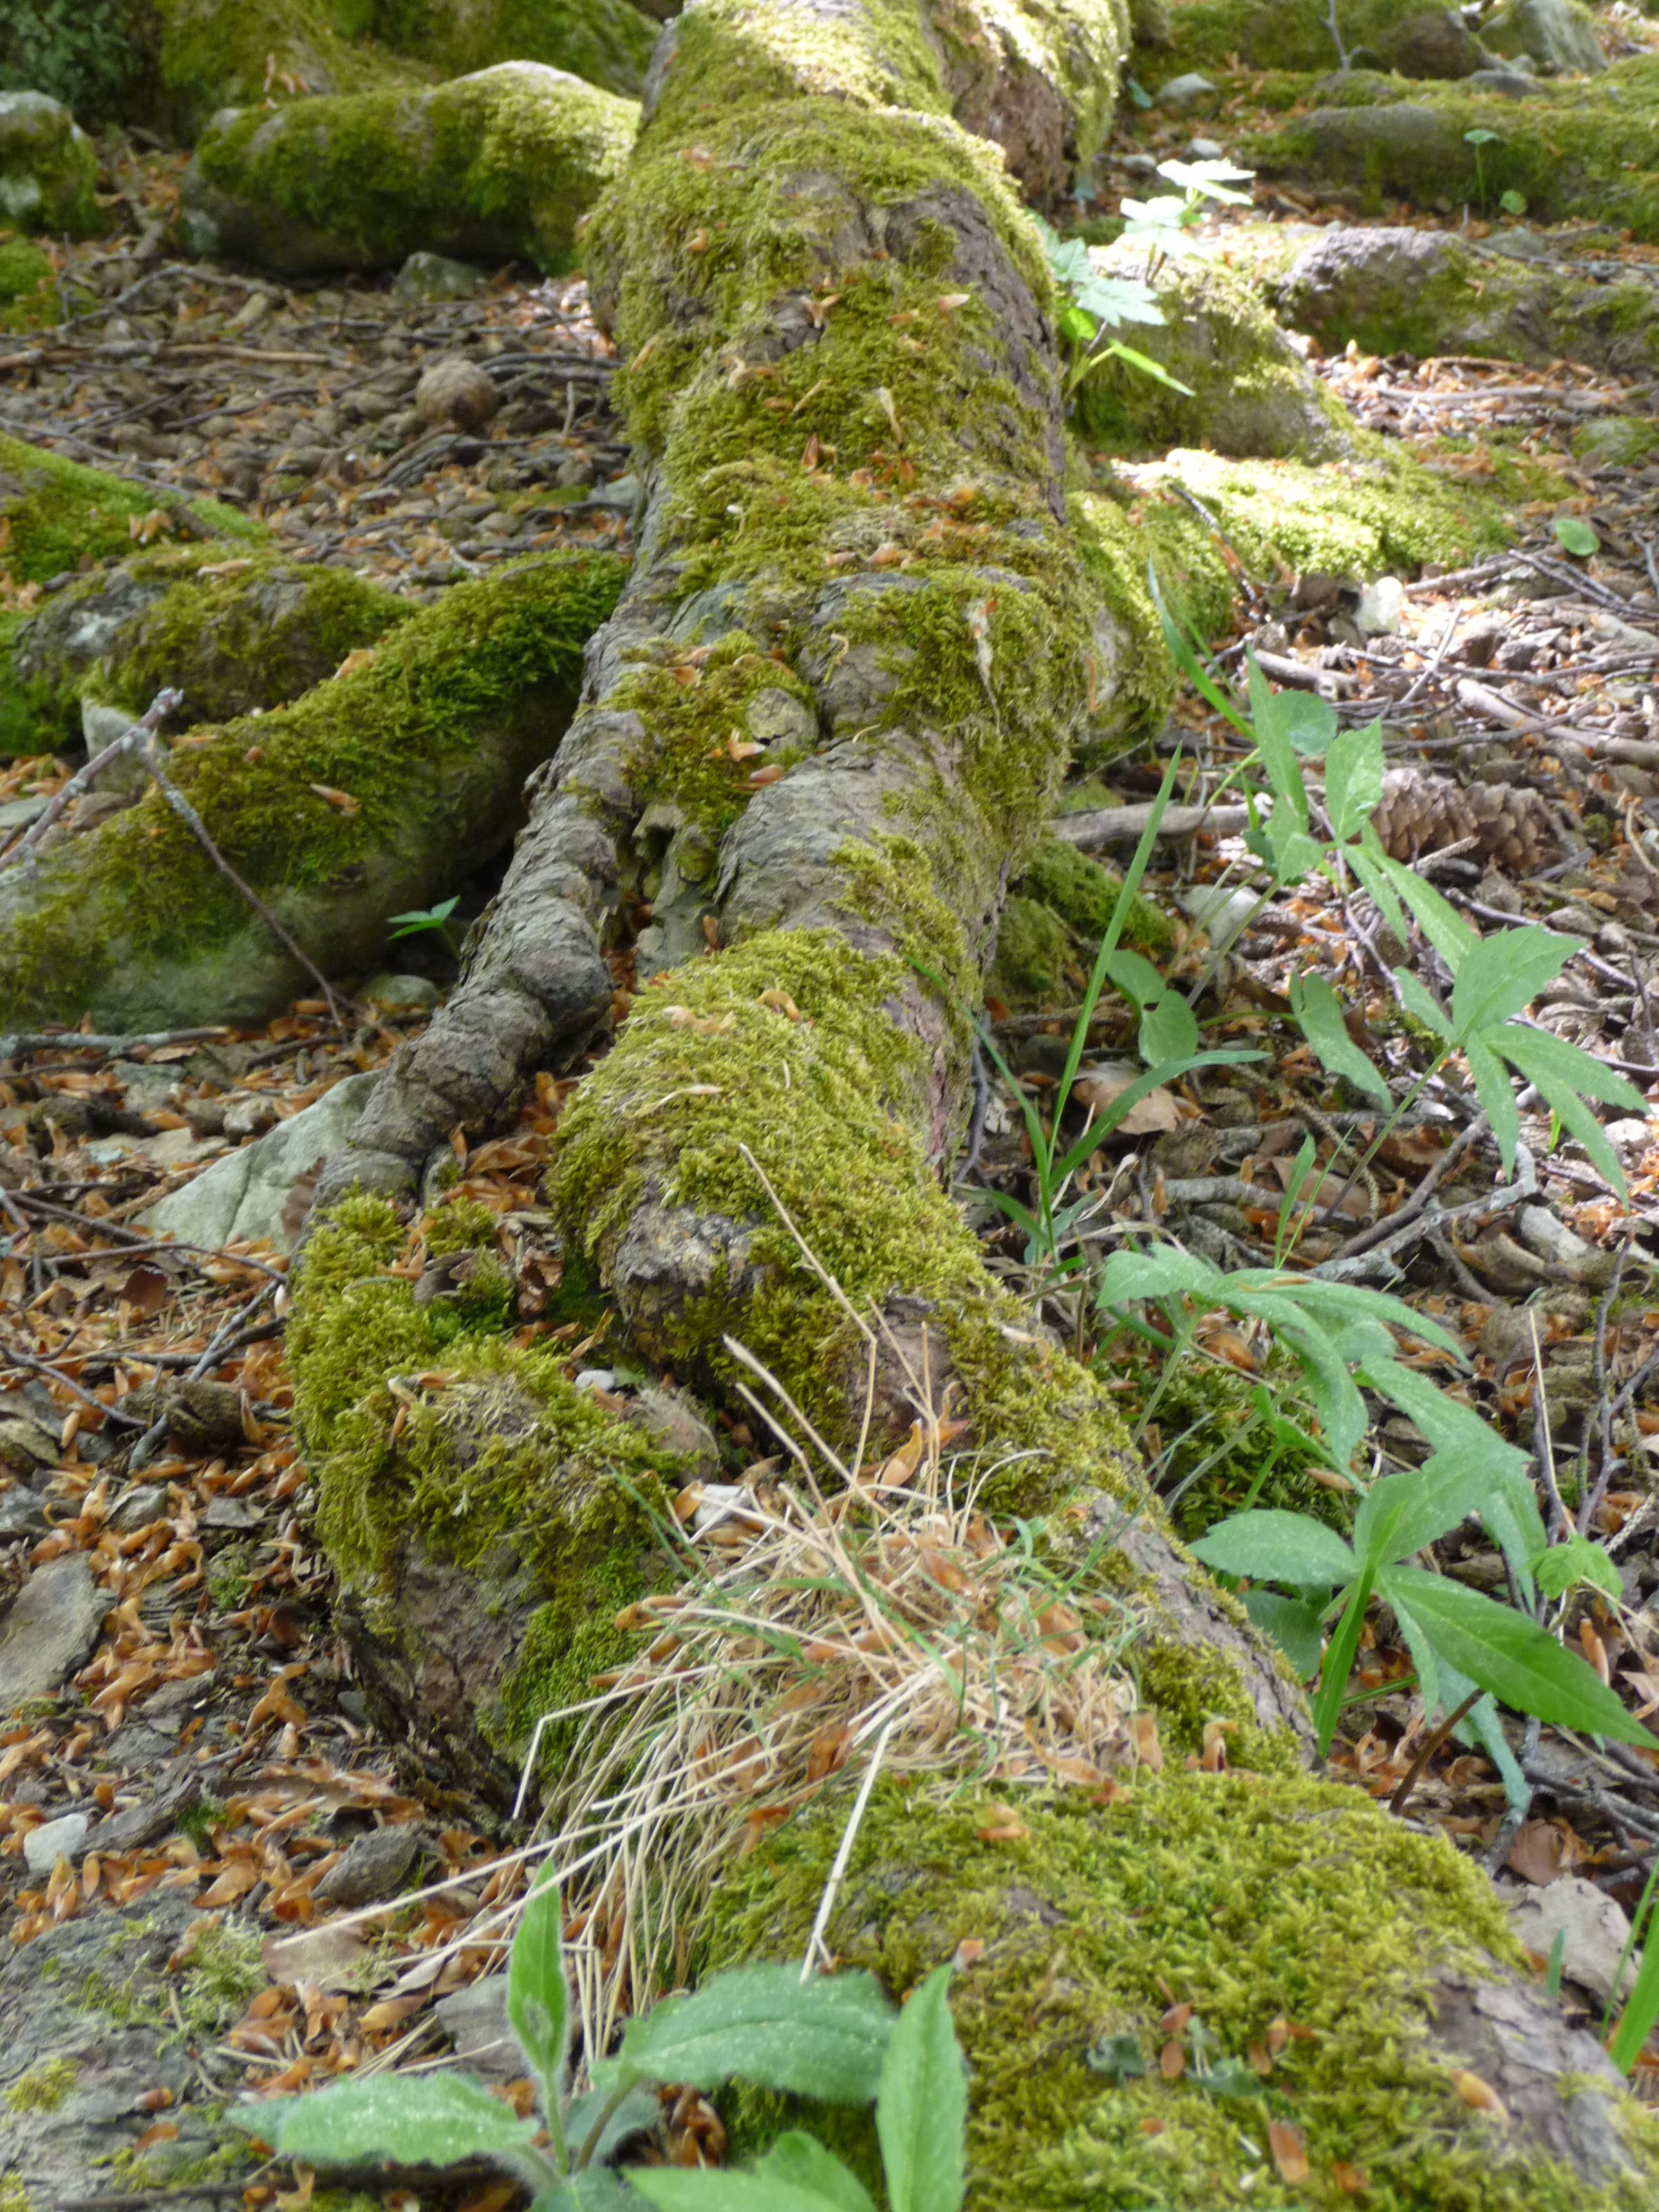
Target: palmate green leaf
1274 1546
1567 1077
1319 1011
922 2112
1403 1513
1503 1651
1336 1400
538 2001
1562 1567
436 2121
1115 301
1493 1088
1419 1004
1355 1299
1503 974
823 2038
1441 923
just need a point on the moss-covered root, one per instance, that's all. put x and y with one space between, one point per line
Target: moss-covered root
1351 1972
497 165
54 513
48 170
488 1522
208 54
376 791
608 42
231 636
1248 391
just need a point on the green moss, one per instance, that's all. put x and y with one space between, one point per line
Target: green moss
44 2088
29 286
225 1970
499 165
48 170
460 1224
1057 912
1252 1900
261 52
1280 34
14 2197
246 635
1579 148
486 677
606 42
59 512
503 1460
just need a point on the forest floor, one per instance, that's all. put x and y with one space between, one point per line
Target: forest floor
217 1723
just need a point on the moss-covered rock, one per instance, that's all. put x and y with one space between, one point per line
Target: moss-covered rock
1582 148
48 171
1248 391
607 42
499 166
232 635
1399 290
1296 34
1558 35
375 792
1058 910
1040 81
487 1522
1346 1966
209 55
58 513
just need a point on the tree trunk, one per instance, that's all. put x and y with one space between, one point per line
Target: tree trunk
828 718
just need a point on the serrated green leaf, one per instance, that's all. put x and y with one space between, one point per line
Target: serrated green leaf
823 2038
435 2121
1319 1011
922 2112
1353 781
1503 974
1294 1625
1441 923
1420 1645
1495 1092
1274 1546
1561 1567
1543 1058
1164 1272
1502 1652
1403 1513
538 2001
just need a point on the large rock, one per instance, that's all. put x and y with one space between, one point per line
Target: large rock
239 53
1407 148
50 1630
245 1195
1436 44
1398 290
607 42
495 167
1558 36
54 514
47 167
254 637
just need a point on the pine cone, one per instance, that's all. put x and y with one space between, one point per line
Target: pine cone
1422 814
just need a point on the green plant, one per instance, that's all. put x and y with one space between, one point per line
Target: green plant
1512 202
1169 1041
425 918
1477 139
833 2039
87 58
1576 536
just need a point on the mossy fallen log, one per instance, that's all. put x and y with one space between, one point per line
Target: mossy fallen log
499 166
374 792
841 375
232 635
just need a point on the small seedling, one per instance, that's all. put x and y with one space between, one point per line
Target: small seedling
422 919
1477 139
1512 202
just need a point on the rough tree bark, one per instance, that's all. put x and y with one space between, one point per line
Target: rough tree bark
853 555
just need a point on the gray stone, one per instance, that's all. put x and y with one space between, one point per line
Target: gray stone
48 170
1437 42
1182 95
53 1839
1597 1930
426 276
21 1514
1556 35
376 1865
1507 83
244 1195
233 1513
671 1420
407 993
17 814
27 1447
50 1630
475 2021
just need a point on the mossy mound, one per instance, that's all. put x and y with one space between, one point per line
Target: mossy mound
375 792
29 286
495 167
487 1522
1057 912
1248 391
58 514
1581 148
606 42
1352 1964
1285 34
209 55
48 171
232 635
